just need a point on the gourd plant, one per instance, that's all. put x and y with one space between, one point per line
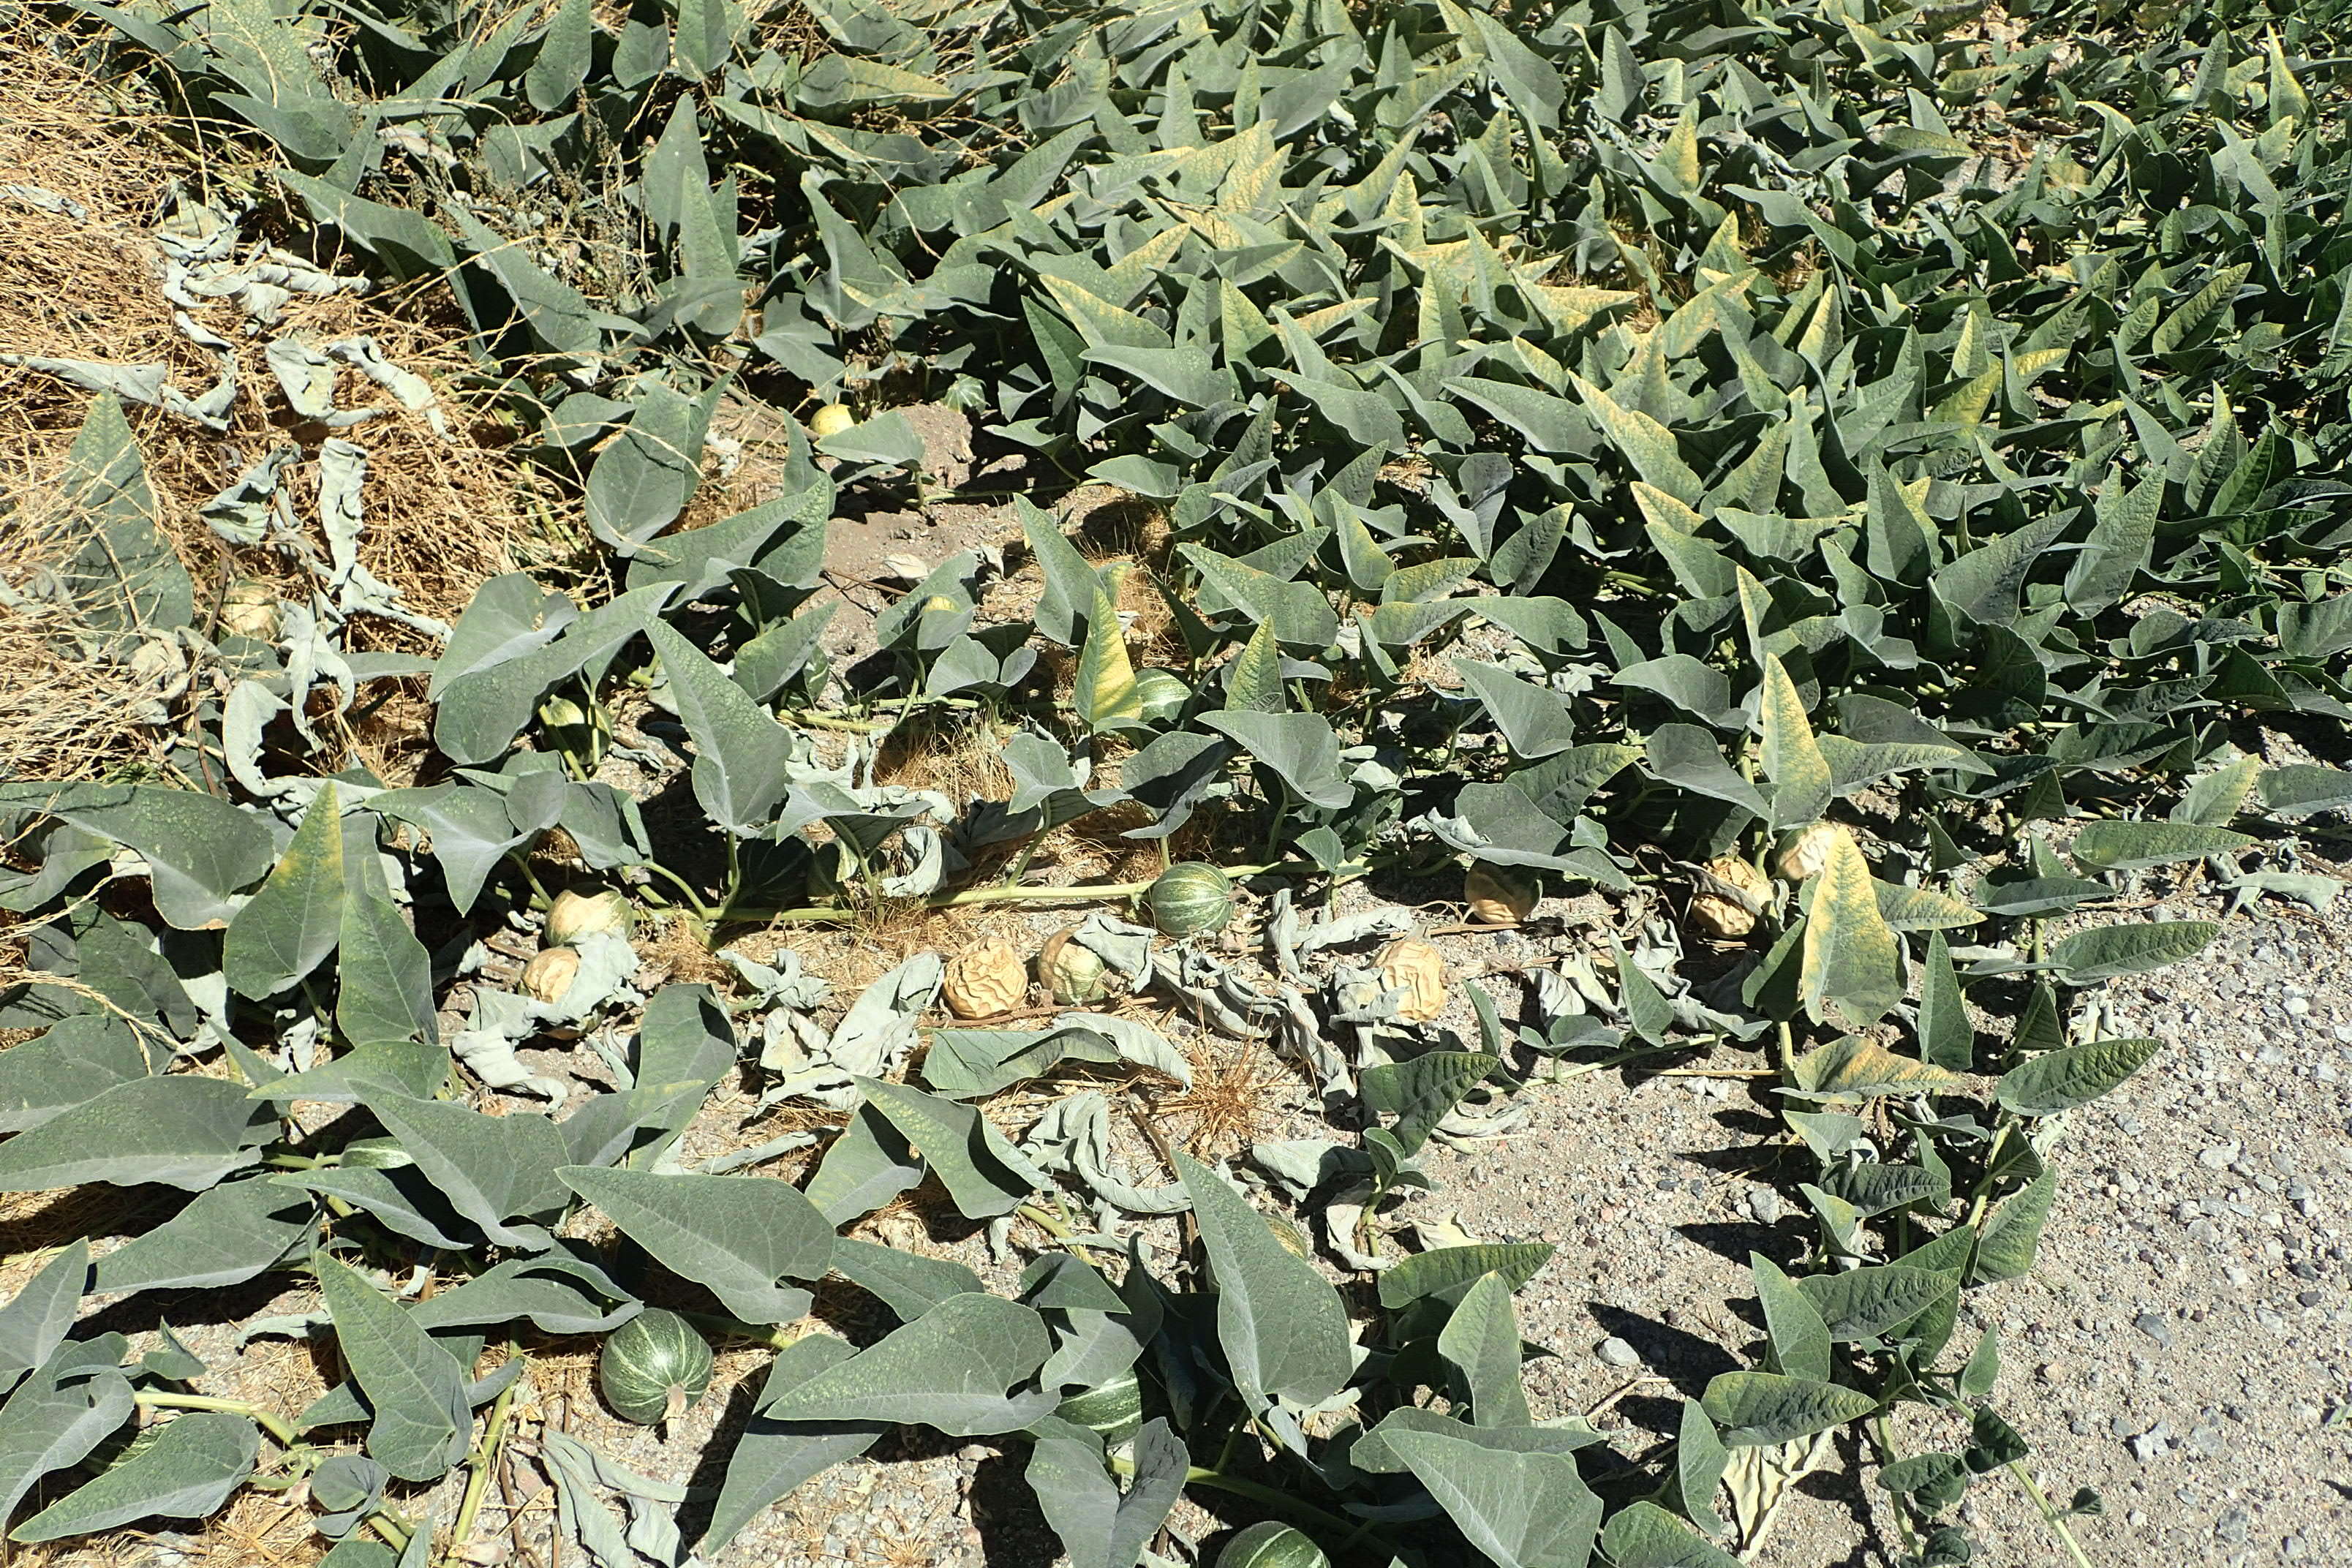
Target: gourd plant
1664 451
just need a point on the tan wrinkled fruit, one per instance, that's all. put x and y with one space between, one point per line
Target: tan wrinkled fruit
1418 970
985 979
831 420
1073 973
573 916
549 973
1803 854
250 610
1498 896
1722 918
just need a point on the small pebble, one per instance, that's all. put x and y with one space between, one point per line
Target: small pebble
1614 1352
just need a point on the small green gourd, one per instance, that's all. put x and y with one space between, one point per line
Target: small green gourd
653 1367
1269 1544
1191 897
1113 1410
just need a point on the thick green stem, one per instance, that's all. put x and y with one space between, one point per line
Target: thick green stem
1273 828
1992 1162
734 877
484 1461
278 1427
693 898
2049 1514
539 897
734 1329
1275 1501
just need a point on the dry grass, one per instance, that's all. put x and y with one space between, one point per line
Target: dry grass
1233 1101
442 516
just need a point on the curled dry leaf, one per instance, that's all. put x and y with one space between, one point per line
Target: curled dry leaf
1417 969
1722 913
1804 854
985 979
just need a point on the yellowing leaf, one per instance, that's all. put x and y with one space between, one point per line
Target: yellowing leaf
1106 694
1968 405
1569 309
1800 776
1647 444
1677 163
1132 271
1665 511
1257 165
1099 321
1315 323
1851 973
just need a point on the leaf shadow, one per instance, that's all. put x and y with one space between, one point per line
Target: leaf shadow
1680 1357
1735 1239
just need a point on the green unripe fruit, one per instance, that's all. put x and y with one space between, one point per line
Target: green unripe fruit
653 1367
1115 1410
1270 1543
1192 898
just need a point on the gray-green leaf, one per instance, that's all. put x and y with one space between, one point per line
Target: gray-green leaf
737 1234
2072 1076
224 1237
1754 1408
189 1469
952 1369
740 752
181 1131
1522 1511
416 1388
287 927
1283 1328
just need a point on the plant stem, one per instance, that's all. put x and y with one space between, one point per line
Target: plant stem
734 1329
854 726
539 898
1884 1441
1276 1501
971 896
1605 1063
395 1536
278 1427
693 898
483 1461
2049 1514
734 877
